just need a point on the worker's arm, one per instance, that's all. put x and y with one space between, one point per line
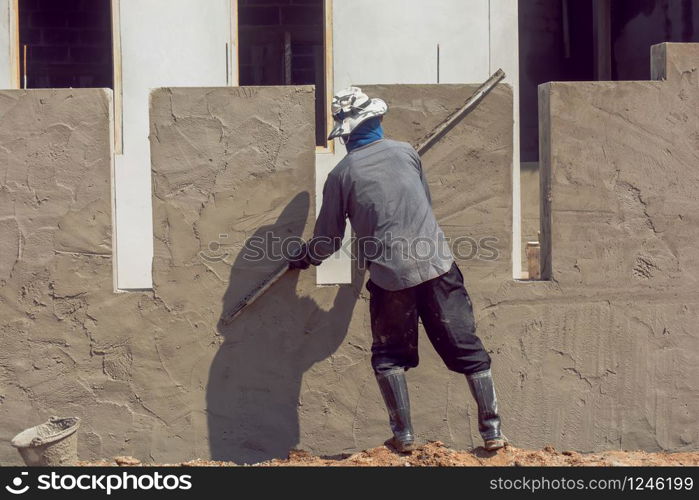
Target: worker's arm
329 229
423 177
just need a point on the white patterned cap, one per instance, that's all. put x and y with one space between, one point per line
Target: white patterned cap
351 107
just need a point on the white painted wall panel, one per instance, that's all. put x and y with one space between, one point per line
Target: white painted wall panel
504 53
164 43
395 41
336 269
5 46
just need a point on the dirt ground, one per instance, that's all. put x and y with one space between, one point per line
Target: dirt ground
436 454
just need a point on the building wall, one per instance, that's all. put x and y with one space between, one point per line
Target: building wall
56 262
604 356
182 43
160 375
619 230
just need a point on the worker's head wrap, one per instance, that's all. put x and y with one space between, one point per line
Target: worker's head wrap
367 132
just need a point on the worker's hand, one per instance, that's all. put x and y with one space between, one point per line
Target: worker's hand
299 264
299 258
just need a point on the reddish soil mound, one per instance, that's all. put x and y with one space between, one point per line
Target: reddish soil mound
436 454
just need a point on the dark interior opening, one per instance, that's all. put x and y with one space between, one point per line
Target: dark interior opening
280 42
638 24
68 43
555 44
585 40
570 40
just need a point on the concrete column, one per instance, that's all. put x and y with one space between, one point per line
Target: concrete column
673 61
504 53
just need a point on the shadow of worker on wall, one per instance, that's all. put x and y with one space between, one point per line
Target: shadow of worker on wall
255 378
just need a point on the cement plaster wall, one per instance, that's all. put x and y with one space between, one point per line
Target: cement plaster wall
294 369
155 375
60 354
619 219
581 361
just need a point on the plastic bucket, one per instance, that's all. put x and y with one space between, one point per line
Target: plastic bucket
52 443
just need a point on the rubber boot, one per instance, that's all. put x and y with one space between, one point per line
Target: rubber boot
394 389
483 391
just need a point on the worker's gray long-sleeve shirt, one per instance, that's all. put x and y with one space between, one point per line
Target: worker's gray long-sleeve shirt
382 189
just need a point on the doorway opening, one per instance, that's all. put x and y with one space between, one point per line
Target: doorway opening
283 42
65 43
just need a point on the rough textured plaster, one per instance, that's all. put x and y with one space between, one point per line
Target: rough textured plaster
581 362
294 369
241 384
58 345
619 181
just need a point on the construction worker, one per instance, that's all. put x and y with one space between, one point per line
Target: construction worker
381 187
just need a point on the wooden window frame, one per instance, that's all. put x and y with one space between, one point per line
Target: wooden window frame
16 70
329 89
329 146
117 82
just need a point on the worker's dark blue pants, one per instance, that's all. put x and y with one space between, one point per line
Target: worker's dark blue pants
446 312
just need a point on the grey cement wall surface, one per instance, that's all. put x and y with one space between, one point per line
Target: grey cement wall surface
619 182
238 387
293 370
60 354
582 361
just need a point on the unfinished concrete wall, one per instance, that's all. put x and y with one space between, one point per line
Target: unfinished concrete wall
239 385
529 181
618 367
293 369
70 345
58 355
582 361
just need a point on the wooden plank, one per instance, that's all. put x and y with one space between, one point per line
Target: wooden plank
329 78
287 58
117 82
443 128
533 253
24 66
602 31
234 80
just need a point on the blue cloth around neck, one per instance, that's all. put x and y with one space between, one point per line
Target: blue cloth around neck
366 133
